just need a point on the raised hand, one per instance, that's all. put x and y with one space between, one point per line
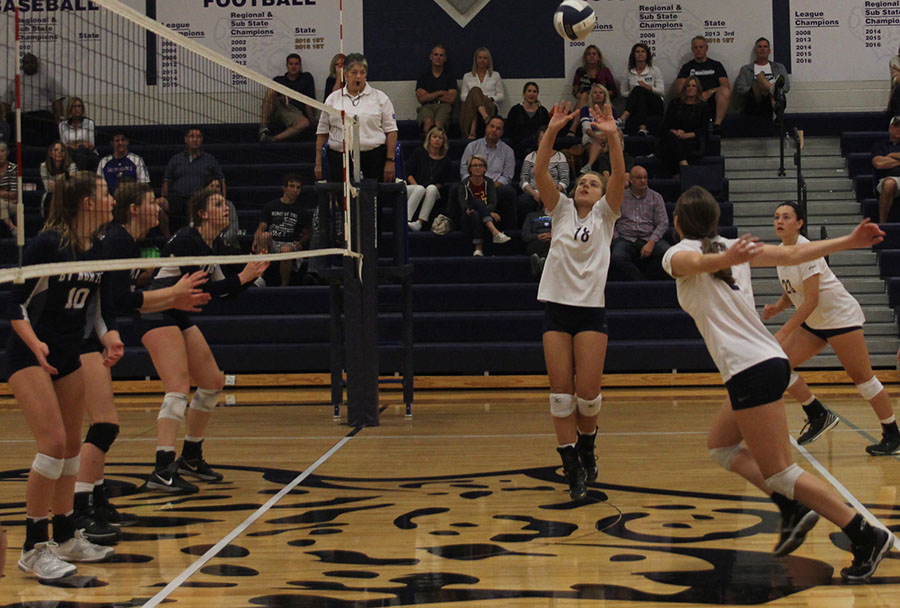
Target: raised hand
560 115
745 248
603 121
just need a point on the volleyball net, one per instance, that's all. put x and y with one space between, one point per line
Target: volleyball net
110 72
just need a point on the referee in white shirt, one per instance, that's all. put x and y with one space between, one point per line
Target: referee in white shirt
377 126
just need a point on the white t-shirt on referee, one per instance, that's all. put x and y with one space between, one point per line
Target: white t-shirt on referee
576 267
374 110
726 316
836 308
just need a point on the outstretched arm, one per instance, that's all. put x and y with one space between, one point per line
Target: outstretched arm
865 234
560 115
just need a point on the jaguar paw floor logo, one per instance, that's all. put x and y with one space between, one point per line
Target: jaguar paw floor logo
462 11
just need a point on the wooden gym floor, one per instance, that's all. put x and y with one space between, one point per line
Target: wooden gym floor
462 505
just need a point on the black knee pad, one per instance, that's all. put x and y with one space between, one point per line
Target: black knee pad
102 435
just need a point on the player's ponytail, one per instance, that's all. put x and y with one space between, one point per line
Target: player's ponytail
68 193
698 218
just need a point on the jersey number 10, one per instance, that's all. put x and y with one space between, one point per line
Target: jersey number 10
77 297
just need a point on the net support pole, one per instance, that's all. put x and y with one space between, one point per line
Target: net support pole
361 311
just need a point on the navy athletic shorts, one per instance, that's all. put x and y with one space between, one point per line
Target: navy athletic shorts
574 319
760 384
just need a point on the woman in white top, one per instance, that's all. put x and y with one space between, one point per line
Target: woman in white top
377 126
826 314
644 89
77 134
572 289
481 94
712 277
57 162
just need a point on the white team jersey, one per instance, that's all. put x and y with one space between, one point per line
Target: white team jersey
578 262
836 308
725 315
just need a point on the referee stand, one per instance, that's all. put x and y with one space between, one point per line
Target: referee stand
354 309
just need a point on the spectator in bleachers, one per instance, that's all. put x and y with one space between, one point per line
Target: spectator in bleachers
427 170
536 232
185 174
8 189
42 100
638 245
481 94
825 314
894 97
886 160
230 235
284 226
501 165
589 137
592 71
290 115
76 133
333 82
644 90
122 164
478 204
602 164
524 120
762 83
5 132
715 88
377 126
57 162
436 90
684 132
530 199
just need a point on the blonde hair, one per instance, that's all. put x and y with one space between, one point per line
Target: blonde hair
444 146
71 103
490 65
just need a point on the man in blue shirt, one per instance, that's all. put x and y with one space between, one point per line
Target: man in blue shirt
886 161
185 174
122 165
501 167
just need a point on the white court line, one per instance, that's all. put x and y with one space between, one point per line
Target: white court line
842 490
190 570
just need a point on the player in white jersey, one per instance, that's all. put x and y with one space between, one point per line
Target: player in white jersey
572 289
712 276
826 314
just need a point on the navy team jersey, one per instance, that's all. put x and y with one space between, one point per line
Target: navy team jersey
56 305
118 285
187 242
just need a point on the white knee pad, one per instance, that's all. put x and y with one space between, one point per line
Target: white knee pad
205 400
48 466
173 407
870 388
562 405
724 456
794 377
784 481
71 465
589 407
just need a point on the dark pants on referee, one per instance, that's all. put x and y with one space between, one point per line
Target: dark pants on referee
371 164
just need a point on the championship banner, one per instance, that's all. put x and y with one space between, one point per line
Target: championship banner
261 33
844 40
72 38
667 28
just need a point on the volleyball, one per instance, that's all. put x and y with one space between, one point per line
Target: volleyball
574 20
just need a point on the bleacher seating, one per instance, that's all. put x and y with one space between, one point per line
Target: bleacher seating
471 314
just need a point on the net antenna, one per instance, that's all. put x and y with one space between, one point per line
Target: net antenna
20 205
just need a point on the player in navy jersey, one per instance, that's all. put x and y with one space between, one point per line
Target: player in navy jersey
572 289
135 213
181 354
712 276
48 317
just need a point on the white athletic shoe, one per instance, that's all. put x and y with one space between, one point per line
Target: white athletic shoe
43 562
80 549
501 238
